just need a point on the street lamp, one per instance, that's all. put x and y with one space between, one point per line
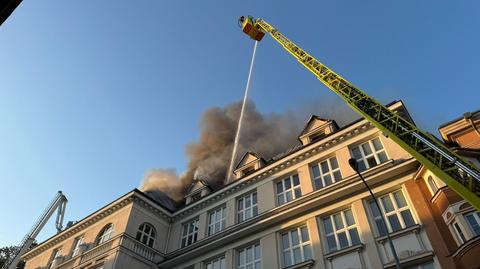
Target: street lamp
353 163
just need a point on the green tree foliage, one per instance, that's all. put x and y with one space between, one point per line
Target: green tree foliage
6 253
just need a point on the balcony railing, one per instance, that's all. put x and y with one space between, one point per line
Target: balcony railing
121 240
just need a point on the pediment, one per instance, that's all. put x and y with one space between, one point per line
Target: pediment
313 123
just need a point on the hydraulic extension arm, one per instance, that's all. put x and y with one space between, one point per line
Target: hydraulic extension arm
458 174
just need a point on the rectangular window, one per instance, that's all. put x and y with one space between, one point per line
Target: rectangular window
189 234
288 189
473 220
326 173
217 263
395 210
55 254
341 230
369 154
459 232
296 246
249 257
76 246
247 207
216 220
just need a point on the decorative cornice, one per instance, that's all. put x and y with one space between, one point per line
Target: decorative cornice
81 225
275 167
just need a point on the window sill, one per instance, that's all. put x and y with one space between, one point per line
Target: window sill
305 264
414 228
330 256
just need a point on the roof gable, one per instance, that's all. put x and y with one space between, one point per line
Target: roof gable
249 157
313 123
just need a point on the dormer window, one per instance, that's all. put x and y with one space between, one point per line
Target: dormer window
316 129
198 189
249 163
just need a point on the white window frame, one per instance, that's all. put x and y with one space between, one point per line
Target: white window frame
458 231
241 262
76 246
186 233
336 231
291 248
55 254
330 173
105 234
210 264
219 215
396 210
374 153
476 216
285 192
242 208
142 234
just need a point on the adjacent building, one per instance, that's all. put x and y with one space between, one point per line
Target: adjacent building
304 209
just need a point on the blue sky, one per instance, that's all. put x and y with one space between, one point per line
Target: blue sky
95 93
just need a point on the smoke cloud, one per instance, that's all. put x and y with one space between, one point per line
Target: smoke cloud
266 135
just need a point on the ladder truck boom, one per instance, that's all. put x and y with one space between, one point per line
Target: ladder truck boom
58 203
460 175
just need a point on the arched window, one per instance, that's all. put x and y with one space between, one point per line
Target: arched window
146 234
432 184
105 234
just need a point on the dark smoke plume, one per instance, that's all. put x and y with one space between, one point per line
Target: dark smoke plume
266 135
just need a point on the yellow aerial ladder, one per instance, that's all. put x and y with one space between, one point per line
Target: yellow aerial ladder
458 174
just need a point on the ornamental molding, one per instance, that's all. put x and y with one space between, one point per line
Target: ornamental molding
80 226
276 167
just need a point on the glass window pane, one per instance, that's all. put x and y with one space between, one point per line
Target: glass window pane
356 153
342 239
254 198
285 241
289 196
258 265
334 163
288 184
361 166
328 225
337 176
296 180
354 236
307 252
257 252
248 213
380 227
315 171
241 257
374 208
304 232
332 244
297 255
240 217
473 224
240 204
338 221
371 161
376 144
382 157
279 187
318 184
394 223
287 260
298 192
387 203
349 217
281 199
328 180
255 211
399 199
324 166
366 149
249 255
407 218
247 201
295 239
